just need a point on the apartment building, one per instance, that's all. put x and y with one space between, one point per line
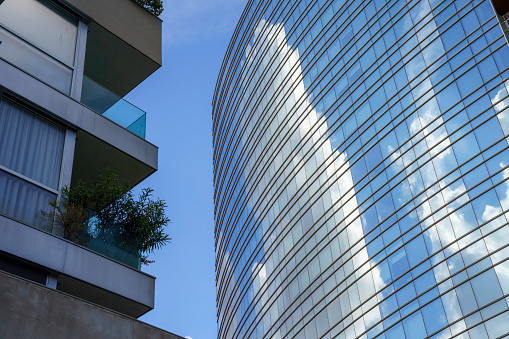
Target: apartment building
65 67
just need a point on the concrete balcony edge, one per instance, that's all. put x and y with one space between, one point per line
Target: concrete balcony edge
65 257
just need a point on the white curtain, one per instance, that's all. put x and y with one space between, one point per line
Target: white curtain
24 201
29 145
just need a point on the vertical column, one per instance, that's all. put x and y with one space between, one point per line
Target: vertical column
79 61
66 169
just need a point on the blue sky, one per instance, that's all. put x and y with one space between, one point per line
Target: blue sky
177 99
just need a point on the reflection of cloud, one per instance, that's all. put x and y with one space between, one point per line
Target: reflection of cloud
490 212
455 196
299 119
503 115
196 20
451 307
377 277
258 281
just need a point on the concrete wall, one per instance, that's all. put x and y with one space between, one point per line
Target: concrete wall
29 310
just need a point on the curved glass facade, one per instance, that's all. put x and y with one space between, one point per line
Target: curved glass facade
361 159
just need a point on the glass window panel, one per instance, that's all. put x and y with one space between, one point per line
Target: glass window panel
502 271
322 323
457 61
382 276
434 316
398 263
498 326
30 146
438 77
42 24
474 252
310 330
401 194
478 332
466 298
377 100
488 68
433 52
416 251
452 307
465 148
388 306
384 207
484 11
414 326
35 62
24 201
486 287
486 206
494 309
406 294
350 125
453 35
448 97
475 176
469 82
501 58
488 133
395 332
373 157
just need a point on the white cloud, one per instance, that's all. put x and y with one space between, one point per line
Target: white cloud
187 337
192 21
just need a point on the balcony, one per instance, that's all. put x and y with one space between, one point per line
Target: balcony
113 107
124 43
106 244
81 272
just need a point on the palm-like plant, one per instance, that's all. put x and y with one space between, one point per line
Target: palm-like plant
108 211
153 6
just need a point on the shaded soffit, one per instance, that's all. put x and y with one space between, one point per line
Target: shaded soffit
113 63
92 157
101 297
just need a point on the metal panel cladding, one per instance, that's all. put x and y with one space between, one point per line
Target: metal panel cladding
361 171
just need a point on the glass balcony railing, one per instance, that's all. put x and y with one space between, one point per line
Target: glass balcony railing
113 107
101 238
108 247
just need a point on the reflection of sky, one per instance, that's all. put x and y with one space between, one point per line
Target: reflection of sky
391 176
307 124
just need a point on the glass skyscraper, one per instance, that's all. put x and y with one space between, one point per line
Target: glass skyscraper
361 166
